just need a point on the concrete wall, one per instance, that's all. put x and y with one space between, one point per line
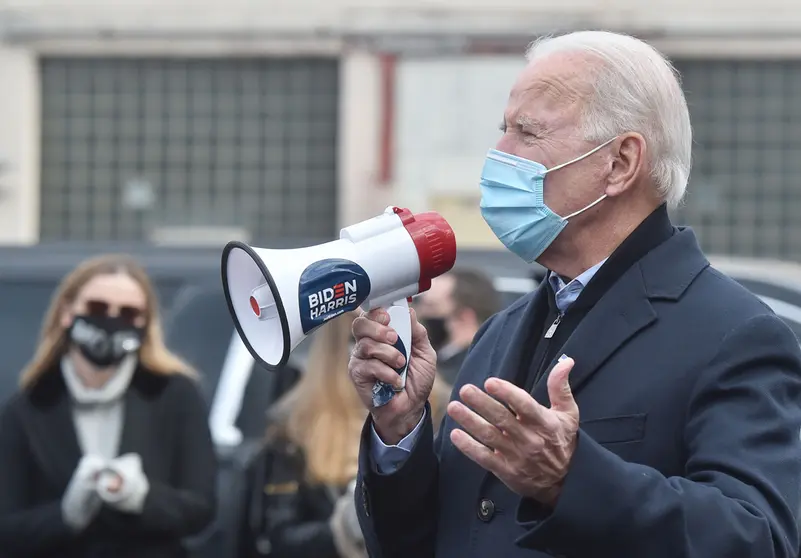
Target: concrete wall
19 146
699 17
445 105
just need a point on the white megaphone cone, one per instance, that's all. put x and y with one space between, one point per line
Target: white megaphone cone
278 297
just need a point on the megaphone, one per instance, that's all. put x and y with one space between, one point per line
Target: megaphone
278 297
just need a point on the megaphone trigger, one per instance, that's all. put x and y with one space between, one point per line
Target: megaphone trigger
400 321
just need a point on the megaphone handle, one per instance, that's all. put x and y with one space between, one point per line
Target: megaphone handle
401 322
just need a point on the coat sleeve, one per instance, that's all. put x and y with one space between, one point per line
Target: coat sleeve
25 530
188 505
399 512
740 494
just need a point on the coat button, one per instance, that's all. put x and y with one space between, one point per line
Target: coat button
486 509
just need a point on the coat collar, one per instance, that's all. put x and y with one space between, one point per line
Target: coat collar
657 262
51 418
50 389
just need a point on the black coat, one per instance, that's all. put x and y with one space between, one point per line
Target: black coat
287 516
165 422
689 390
283 514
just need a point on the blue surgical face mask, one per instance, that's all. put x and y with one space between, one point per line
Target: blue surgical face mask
513 203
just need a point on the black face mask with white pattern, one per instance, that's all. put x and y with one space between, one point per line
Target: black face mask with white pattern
105 340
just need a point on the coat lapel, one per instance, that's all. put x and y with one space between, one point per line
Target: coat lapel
136 435
626 309
516 328
664 273
620 314
520 338
61 430
53 433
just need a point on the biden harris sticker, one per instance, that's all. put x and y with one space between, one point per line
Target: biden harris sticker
328 288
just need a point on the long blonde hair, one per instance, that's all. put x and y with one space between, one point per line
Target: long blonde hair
322 413
153 354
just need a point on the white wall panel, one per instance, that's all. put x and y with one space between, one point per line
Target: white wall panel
19 147
447 109
448 115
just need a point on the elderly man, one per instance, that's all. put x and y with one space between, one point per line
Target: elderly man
639 404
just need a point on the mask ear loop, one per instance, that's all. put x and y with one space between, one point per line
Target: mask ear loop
580 157
599 200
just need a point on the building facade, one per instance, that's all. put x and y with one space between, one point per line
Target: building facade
178 121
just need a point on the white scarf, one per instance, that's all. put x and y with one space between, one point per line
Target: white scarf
109 392
98 414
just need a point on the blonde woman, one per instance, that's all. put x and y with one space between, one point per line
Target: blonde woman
302 485
105 449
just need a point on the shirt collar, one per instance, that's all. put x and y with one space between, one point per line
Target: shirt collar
566 294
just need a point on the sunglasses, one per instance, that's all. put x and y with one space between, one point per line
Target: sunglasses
102 309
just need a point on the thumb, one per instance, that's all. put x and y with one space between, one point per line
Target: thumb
559 391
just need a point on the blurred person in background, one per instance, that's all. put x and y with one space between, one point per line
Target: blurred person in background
105 449
452 311
301 486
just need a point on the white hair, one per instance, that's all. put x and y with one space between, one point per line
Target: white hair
636 90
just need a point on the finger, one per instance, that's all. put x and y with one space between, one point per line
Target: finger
367 348
519 400
374 326
367 372
559 391
480 454
377 314
491 409
477 426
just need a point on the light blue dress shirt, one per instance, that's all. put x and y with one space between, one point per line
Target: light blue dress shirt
566 294
388 459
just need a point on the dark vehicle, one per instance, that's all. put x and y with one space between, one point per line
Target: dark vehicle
777 283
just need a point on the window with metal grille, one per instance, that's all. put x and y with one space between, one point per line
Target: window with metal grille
744 196
134 145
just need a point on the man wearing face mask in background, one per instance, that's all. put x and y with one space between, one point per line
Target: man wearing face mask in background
452 311
639 403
